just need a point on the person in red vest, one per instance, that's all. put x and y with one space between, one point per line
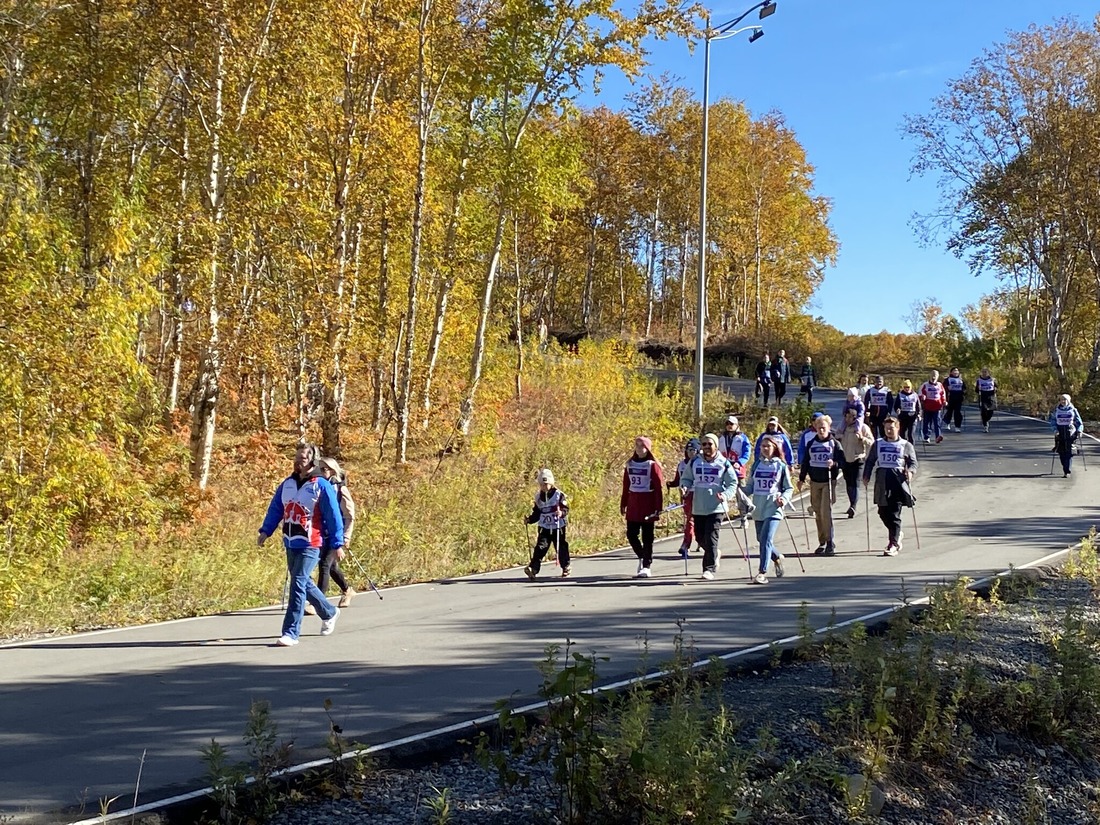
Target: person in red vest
642 500
932 399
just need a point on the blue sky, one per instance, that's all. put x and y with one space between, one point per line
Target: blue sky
844 75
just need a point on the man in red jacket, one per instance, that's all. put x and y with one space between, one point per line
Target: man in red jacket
933 398
642 501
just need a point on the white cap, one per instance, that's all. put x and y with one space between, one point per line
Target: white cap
731 419
545 476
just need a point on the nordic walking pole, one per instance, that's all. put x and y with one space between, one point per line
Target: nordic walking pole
867 515
916 532
740 546
805 526
797 553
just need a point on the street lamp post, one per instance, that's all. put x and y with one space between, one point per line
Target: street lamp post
726 30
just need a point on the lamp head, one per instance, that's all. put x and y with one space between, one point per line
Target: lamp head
767 10
756 35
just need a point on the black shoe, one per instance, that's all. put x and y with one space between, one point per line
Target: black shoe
830 550
820 550
851 512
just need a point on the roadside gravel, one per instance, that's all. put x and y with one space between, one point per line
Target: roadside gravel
1004 778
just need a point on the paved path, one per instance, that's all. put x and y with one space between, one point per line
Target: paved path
77 713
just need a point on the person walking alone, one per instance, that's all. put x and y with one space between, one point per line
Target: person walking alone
307 508
893 461
642 501
550 513
1067 425
824 457
771 490
986 387
713 484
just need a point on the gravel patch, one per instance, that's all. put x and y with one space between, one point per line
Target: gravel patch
1001 777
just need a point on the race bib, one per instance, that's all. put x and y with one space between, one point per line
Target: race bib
907 402
954 384
932 391
1063 418
878 398
707 475
821 453
640 475
765 481
890 455
985 385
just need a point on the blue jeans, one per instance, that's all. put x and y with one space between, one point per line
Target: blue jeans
931 421
299 566
765 534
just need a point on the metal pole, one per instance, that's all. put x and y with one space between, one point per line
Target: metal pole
701 303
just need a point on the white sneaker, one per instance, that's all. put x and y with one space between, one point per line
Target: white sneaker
286 641
643 573
708 575
949 428
761 578
329 625
641 567
985 428
891 550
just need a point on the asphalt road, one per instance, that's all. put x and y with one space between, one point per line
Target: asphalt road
81 715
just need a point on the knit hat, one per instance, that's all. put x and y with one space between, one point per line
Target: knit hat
711 438
773 440
545 476
1064 400
907 384
693 444
647 443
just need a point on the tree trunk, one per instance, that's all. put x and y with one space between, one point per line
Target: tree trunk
519 303
651 268
382 309
466 408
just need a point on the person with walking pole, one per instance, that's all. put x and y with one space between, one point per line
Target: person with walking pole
824 457
986 387
551 512
691 450
306 506
1067 425
893 461
879 401
643 495
713 484
771 490
855 440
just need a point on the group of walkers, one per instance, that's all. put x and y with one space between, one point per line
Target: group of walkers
722 477
775 375
317 514
728 476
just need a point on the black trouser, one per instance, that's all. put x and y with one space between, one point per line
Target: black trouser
809 393
954 412
780 391
891 517
875 417
852 470
764 390
987 405
640 536
550 537
1064 444
906 422
706 533
330 568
